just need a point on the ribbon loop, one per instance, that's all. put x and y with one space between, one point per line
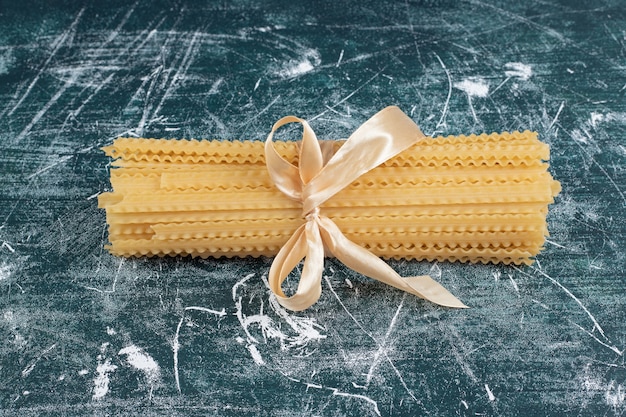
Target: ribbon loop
313 182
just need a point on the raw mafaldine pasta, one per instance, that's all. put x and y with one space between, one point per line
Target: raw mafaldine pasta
388 189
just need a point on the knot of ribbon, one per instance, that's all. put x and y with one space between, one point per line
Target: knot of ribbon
320 175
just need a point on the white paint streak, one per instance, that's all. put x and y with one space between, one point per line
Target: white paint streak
101 381
305 328
340 58
26 371
489 393
175 349
46 168
556 117
597 118
138 359
594 337
91 197
514 284
215 87
6 60
358 396
152 78
335 391
518 70
579 137
346 98
297 69
500 85
5 271
555 244
7 245
383 343
615 395
435 271
256 355
473 87
306 63
442 120
176 343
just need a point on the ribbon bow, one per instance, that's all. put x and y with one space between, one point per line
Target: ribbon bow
318 178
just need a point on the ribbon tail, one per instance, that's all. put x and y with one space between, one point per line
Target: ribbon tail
433 291
287 258
305 243
365 262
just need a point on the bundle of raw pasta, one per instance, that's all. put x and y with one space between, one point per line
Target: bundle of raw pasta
459 198
387 191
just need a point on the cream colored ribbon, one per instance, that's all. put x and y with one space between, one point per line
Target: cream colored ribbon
318 178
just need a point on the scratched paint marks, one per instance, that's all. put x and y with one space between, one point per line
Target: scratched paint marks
38 353
589 231
130 359
291 352
83 73
100 58
600 249
102 379
270 334
601 385
56 45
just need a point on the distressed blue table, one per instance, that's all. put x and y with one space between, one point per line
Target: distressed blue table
84 332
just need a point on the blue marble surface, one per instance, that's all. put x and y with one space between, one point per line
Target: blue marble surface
85 333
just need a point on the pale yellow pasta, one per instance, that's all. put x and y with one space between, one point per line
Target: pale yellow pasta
460 198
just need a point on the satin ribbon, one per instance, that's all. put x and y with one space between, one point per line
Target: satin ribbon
316 179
